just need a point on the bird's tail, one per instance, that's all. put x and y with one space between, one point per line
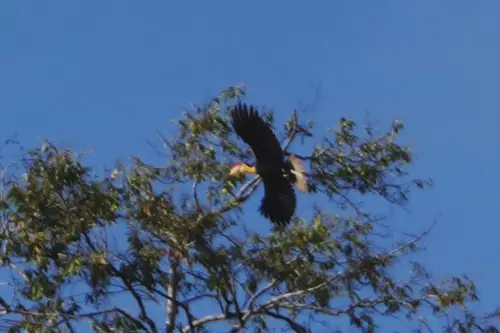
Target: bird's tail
299 172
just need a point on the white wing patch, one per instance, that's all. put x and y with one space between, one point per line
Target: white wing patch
299 171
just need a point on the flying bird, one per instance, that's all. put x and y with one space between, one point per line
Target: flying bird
277 173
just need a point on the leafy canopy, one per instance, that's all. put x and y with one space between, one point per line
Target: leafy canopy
166 248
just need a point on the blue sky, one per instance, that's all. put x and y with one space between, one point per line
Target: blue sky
109 74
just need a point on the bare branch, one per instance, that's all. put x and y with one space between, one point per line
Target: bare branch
172 306
195 196
293 325
205 320
259 293
282 297
415 240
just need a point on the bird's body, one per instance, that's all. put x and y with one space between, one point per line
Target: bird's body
278 174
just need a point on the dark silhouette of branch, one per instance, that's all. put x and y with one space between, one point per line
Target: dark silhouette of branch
293 325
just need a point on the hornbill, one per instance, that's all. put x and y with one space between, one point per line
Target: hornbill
277 173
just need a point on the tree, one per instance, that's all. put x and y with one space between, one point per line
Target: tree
166 248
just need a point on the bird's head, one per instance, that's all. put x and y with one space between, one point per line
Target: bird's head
239 169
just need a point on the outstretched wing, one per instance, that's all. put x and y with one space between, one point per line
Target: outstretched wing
279 202
252 129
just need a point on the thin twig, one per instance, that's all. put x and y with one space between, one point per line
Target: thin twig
259 293
281 297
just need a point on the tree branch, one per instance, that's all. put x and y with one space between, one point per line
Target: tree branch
254 298
281 297
206 320
195 196
413 241
172 306
127 285
293 325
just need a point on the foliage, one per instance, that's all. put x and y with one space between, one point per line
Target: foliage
165 248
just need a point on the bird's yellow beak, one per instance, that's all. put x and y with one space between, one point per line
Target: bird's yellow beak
235 171
240 169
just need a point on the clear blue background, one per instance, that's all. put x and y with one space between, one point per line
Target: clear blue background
109 74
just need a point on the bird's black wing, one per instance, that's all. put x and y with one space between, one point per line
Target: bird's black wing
252 129
279 202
